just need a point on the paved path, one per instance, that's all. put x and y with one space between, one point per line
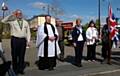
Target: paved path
67 68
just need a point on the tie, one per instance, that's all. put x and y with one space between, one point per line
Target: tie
20 22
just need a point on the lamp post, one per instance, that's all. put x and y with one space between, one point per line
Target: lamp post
48 9
99 22
4 8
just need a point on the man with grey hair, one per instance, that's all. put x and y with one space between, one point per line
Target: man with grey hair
20 38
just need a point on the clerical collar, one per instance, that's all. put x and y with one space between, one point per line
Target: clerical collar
47 23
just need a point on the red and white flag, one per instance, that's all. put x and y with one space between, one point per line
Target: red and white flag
113 22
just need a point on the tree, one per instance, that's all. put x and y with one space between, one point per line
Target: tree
97 23
4 30
85 26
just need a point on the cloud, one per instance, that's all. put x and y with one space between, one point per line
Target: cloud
39 5
74 16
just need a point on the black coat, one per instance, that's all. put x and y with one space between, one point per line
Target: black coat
76 32
105 34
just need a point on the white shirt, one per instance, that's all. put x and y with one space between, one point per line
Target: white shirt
16 30
80 38
90 33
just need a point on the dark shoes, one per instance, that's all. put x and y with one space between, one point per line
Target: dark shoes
51 68
44 68
62 60
41 68
109 63
19 72
105 61
78 65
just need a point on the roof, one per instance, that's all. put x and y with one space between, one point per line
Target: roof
42 15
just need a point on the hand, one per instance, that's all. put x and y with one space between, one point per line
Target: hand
28 44
94 37
52 38
1 49
74 44
14 13
91 40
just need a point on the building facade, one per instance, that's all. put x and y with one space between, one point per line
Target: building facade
38 20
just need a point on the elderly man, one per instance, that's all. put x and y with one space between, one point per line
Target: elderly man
20 38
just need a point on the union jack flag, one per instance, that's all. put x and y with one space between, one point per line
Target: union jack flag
113 22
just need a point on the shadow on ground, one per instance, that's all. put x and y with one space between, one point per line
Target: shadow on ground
115 57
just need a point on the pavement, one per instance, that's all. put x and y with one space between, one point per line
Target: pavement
68 68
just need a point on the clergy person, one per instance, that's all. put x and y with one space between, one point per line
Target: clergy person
47 44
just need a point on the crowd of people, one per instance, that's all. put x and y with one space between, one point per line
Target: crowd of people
50 42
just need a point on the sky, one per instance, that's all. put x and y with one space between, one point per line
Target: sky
71 9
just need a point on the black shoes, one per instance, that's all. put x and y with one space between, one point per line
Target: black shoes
21 72
62 60
109 63
51 68
105 61
78 65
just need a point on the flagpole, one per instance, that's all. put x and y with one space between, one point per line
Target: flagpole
110 39
99 16
4 8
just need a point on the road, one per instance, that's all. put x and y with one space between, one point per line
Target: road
67 68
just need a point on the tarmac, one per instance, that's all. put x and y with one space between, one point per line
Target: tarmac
68 68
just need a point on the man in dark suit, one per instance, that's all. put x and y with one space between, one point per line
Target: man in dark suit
79 37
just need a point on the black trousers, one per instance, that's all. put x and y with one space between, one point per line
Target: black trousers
106 49
61 45
91 52
79 51
18 48
4 68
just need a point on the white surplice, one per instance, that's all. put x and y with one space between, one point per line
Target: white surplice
51 45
